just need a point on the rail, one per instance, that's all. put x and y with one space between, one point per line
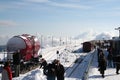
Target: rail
75 67
85 77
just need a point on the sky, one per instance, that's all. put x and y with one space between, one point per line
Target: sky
58 17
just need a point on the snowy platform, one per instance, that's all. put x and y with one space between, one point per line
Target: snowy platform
94 74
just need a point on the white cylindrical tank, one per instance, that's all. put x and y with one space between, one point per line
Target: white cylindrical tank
27 45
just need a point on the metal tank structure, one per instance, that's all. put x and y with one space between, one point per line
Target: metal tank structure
27 45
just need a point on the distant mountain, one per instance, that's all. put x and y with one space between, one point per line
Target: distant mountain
105 36
86 36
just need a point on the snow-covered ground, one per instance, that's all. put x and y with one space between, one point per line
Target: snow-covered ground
94 74
68 58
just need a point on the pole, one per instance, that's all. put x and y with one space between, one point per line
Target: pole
4 55
66 41
119 33
118 30
41 44
52 41
60 41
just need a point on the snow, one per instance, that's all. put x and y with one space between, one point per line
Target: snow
94 74
67 58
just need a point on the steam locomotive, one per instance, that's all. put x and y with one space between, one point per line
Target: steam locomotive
115 46
28 47
90 45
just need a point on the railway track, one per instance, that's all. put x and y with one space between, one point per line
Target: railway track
73 67
49 55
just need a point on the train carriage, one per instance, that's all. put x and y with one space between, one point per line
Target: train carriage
115 45
28 46
88 46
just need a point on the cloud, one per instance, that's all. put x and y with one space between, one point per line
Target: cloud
76 4
87 35
4 7
7 23
69 5
104 35
73 0
37 1
91 35
58 4
4 39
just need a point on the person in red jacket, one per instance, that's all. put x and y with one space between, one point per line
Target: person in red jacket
6 72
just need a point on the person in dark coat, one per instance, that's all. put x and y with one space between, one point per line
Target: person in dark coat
16 63
6 72
43 65
50 71
98 53
117 61
59 70
102 64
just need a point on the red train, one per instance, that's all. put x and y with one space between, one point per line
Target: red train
90 45
28 47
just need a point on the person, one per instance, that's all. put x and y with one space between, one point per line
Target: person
16 63
43 65
102 63
110 57
98 51
50 71
59 70
110 60
57 52
7 72
117 61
